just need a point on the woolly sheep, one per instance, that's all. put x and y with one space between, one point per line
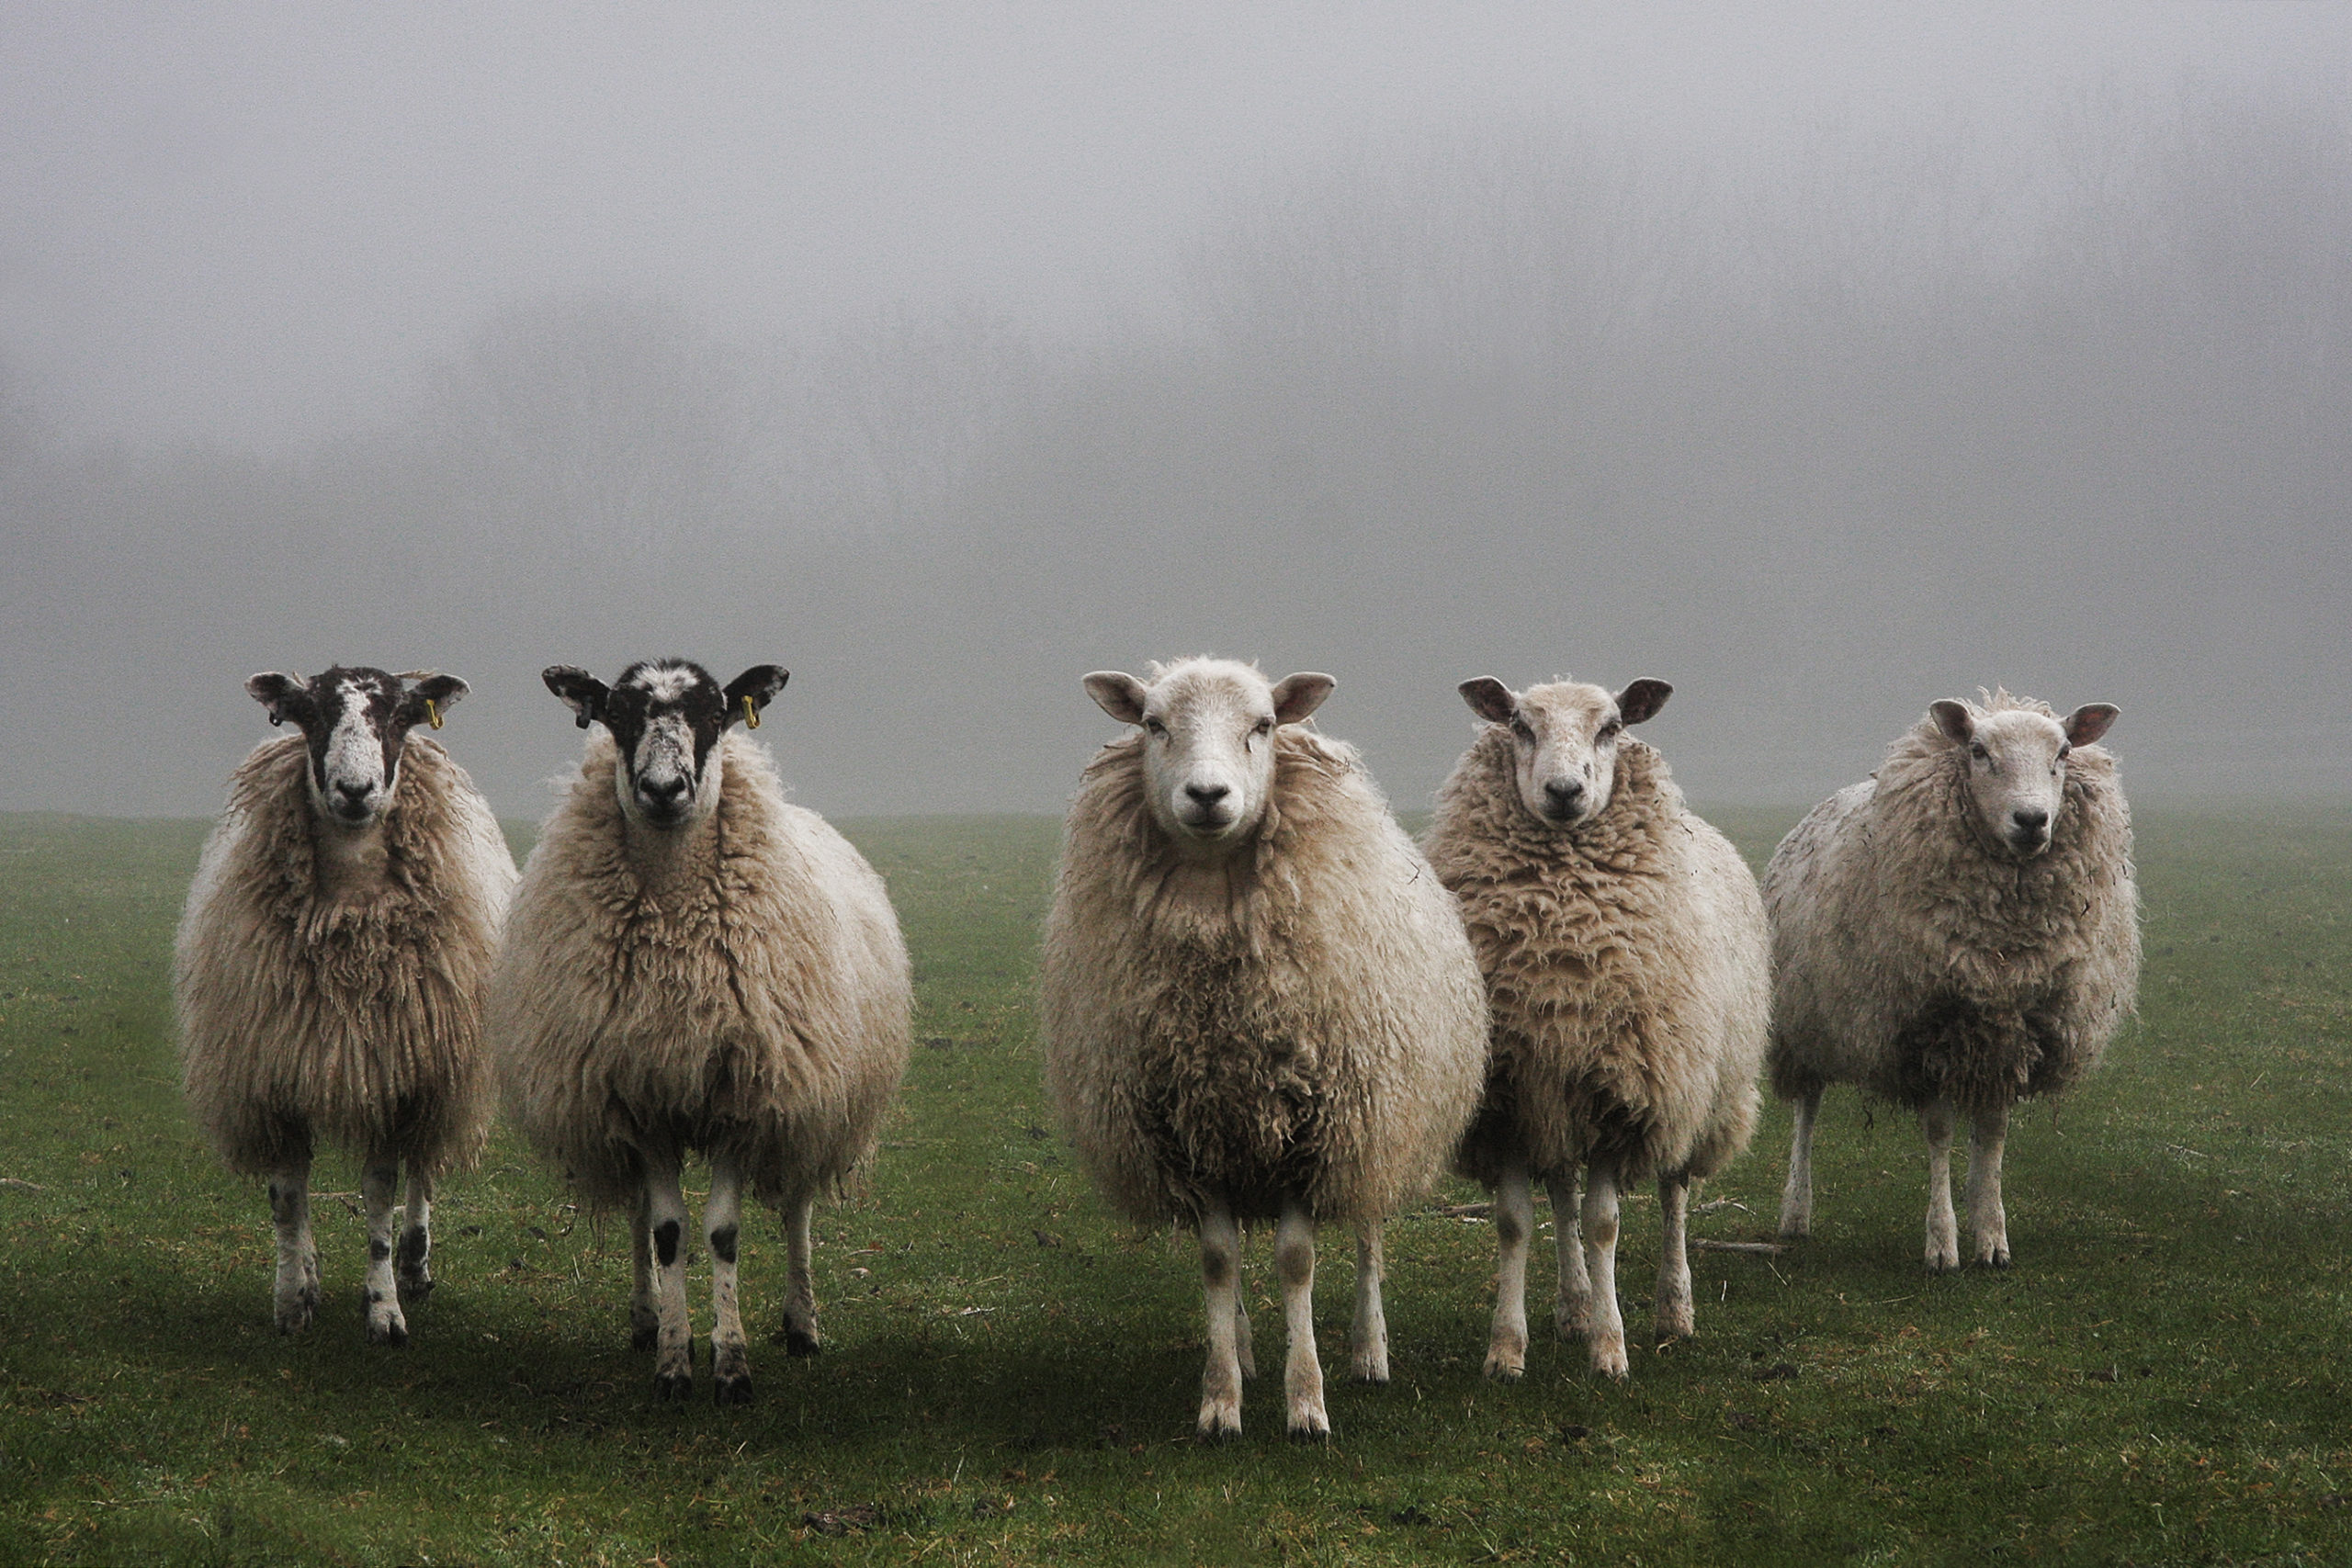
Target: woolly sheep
693 965
1957 933
1623 944
331 964
1258 1004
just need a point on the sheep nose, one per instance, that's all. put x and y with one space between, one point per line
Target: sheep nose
354 792
665 792
2032 821
1207 794
1564 793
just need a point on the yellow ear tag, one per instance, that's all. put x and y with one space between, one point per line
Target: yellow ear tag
751 714
432 713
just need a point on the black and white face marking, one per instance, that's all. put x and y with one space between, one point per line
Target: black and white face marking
666 717
356 720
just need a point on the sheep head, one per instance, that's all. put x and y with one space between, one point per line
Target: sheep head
1564 739
666 716
1208 747
357 721
2017 763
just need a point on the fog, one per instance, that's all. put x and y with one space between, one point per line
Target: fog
1823 361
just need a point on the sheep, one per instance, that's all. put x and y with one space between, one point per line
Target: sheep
1623 944
692 963
1958 933
1256 1001
330 967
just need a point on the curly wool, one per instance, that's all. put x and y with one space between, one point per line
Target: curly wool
304 1015
742 992
1626 973
1918 960
1306 1019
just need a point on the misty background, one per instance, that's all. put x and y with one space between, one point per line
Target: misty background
1822 360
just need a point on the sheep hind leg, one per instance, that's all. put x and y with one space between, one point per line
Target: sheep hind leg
1368 1340
378 1184
1943 1235
644 1301
1988 1223
1302 1368
722 1216
1796 1197
1675 1318
415 1256
1572 1308
1514 1213
799 1333
295 1298
665 1205
1221 1285
1608 1333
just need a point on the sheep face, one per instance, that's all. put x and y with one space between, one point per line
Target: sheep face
666 717
357 721
1564 738
1208 729
2017 766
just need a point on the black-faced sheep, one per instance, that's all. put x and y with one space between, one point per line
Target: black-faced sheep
331 966
1959 932
692 965
1623 944
1258 1003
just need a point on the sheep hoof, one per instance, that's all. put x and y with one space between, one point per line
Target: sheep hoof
1371 1370
679 1386
393 1332
644 1336
1795 1227
294 1320
796 1340
1503 1369
1998 1258
1679 1325
1609 1361
1313 1427
731 1390
414 1287
1219 1423
1943 1265
1571 1321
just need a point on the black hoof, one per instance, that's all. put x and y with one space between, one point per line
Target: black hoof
797 1342
677 1386
414 1291
731 1391
645 1337
394 1334
1310 1435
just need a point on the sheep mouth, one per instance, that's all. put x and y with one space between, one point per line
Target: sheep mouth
2025 843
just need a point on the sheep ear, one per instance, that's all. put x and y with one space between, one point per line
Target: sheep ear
444 692
576 686
1117 694
1490 699
758 686
1296 697
2087 723
1954 719
1642 700
283 695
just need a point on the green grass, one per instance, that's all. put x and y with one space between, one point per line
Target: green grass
1011 1377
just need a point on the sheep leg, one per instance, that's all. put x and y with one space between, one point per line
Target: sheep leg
415 1255
296 1295
1221 1284
1243 1355
1675 1318
1796 1198
801 1337
1608 1330
1986 1219
722 1215
644 1306
378 1184
1302 1369
1514 1223
1369 1339
1572 1308
665 1205
1943 1236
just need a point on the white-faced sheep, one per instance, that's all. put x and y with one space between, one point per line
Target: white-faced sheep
1957 933
1258 1003
331 966
1624 950
692 963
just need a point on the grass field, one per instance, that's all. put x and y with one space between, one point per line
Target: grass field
1012 1378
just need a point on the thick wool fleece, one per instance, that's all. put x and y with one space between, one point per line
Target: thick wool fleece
1626 973
736 986
1919 959
1305 1020
304 1015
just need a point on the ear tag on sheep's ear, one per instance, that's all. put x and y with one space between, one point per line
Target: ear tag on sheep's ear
751 714
431 714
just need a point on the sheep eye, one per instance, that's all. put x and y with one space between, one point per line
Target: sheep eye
2065 749
1976 750
1265 726
1609 731
1522 729
1156 730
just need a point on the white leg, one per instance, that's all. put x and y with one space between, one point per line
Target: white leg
722 1216
674 1366
416 1237
296 1295
1572 1308
1675 1319
1796 1198
1608 1332
1943 1236
1369 1339
1221 1284
801 1336
1988 1221
1514 1223
644 1300
1302 1369
378 1183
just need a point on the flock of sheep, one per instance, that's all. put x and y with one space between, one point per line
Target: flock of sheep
1260 1000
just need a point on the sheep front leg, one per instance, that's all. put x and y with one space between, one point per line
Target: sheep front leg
295 1297
1514 1223
1943 1235
644 1301
1600 1260
1796 1197
1221 1284
416 1237
1572 1308
1302 1369
665 1206
1369 1339
731 1357
1675 1319
801 1336
378 1183
1988 1221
